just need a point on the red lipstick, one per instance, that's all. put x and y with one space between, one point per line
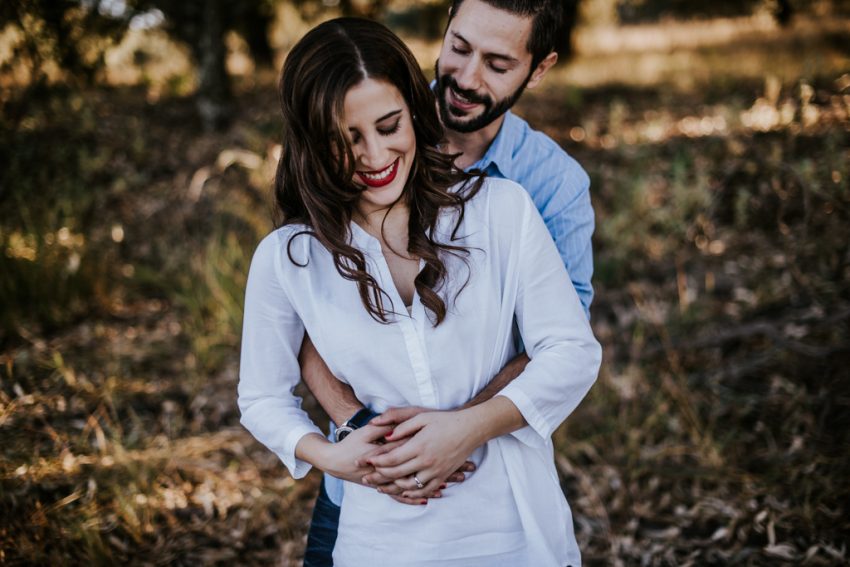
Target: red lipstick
379 178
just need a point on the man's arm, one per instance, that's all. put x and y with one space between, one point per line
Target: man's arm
335 397
512 369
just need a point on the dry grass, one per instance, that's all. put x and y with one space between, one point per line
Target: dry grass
716 434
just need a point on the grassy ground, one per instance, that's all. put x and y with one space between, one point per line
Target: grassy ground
716 434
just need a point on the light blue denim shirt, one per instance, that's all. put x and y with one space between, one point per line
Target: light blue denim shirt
560 189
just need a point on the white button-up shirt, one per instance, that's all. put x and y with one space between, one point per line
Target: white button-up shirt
511 511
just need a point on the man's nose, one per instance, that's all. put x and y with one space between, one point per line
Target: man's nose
468 76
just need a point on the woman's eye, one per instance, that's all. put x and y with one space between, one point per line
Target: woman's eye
391 130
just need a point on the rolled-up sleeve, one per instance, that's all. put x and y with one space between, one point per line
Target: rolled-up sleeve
565 356
272 334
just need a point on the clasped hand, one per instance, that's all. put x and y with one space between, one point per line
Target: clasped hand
432 446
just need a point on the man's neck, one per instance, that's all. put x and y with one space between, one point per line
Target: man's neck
473 145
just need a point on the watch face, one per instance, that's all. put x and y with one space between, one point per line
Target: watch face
342 432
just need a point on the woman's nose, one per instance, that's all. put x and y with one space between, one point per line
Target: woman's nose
373 154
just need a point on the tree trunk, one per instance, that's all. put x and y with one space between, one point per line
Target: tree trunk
213 83
783 12
255 18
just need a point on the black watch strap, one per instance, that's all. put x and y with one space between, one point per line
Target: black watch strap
356 421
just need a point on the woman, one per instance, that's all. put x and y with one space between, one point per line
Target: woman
410 278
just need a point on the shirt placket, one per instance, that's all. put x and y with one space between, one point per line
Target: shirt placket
412 329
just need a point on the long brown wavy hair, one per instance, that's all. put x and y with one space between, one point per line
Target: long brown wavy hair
314 183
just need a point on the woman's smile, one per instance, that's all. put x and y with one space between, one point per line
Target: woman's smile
379 178
383 142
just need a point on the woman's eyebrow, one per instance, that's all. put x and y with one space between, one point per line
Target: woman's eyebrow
388 115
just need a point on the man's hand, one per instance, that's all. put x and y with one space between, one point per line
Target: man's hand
348 459
439 445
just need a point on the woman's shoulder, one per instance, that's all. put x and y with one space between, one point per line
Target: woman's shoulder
498 196
282 242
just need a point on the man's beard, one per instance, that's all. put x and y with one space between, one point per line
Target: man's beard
450 116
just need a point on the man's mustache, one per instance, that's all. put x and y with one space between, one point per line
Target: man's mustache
471 96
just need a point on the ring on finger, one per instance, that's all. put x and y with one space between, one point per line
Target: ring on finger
418 482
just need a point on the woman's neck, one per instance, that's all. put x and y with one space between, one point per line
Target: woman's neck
388 225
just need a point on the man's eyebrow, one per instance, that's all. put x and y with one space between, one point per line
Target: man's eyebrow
389 114
499 56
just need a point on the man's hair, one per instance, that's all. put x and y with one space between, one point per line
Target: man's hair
546 24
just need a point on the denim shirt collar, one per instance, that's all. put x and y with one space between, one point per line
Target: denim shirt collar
498 159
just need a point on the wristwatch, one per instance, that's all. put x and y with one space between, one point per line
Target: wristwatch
358 420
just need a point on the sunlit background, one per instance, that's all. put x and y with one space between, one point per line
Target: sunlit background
138 141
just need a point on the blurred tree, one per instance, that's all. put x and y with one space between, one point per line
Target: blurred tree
371 9
634 11
75 35
202 25
70 33
783 11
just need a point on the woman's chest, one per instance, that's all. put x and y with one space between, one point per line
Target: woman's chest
406 359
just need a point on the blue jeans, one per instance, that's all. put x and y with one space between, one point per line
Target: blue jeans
323 529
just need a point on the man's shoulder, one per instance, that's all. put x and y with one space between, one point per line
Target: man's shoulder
527 138
539 161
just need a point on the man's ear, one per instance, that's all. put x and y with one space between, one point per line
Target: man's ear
541 69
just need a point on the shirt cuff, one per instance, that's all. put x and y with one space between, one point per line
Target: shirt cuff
297 468
536 434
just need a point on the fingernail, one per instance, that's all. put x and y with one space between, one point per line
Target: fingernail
388 435
423 502
443 485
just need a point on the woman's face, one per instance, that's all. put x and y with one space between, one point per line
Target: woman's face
383 142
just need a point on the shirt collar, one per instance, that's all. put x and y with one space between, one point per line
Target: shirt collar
501 152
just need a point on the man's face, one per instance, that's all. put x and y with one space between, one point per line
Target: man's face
484 65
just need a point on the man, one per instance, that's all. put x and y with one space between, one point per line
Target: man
492 51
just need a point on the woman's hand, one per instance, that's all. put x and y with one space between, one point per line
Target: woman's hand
346 459
440 442
387 485
439 445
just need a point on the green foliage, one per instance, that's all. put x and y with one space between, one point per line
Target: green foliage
55 265
210 293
